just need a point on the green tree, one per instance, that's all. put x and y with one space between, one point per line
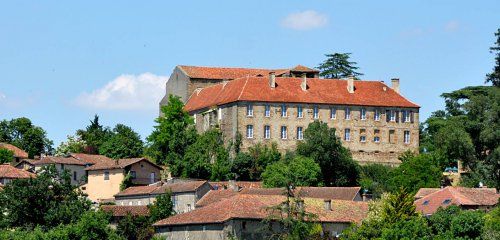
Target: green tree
375 178
337 166
135 228
491 228
72 145
248 166
122 143
207 158
21 133
46 201
94 135
494 77
398 207
172 135
418 172
301 171
162 208
6 156
338 66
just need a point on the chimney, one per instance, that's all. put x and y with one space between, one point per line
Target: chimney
303 85
350 84
395 84
328 204
233 185
272 79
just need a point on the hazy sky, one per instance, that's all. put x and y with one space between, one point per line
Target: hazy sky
61 63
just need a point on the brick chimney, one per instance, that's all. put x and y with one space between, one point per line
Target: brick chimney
350 84
395 84
303 85
328 204
272 79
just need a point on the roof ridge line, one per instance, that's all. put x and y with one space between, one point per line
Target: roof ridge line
243 88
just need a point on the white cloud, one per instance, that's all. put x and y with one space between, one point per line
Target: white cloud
452 26
305 20
126 92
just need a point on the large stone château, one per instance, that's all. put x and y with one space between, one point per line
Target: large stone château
372 119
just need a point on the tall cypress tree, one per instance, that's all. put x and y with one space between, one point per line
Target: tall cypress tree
494 77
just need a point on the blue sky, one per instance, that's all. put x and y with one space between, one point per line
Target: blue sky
61 63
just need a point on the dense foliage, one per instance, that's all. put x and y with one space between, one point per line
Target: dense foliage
249 166
135 228
94 135
338 66
123 142
162 208
494 76
21 133
73 144
6 156
301 171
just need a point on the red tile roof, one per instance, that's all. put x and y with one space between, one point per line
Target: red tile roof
300 68
59 160
214 196
459 196
245 206
337 193
425 191
225 72
118 163
320 91
90 158
8 171
240 184
122 211
189 186
17 151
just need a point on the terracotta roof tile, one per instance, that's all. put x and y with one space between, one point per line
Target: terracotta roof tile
122 211
59 160
9 171
246 206
425 191
119 163
90 158
300 68
17 151
240 184
320 91
214 196
228 73
189 186
458 196
138 190
337 193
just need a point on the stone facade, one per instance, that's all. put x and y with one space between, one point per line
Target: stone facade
370 140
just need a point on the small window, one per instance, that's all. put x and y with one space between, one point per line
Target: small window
267 110
407 137
249 131
376 131
300 133
392 137
425 203
376 139
249 110
347 113
363 114
376 115
283 132
267 132
392 114
244 225
75 176
219 114
300 113
315 112
188 207
283 110
333 113
347 134
133 175
62 166
106 175
406 114
447 201
362 138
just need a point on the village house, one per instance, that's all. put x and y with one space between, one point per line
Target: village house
429 200
372 119
104 178
9 173
74 167
184 194
241 217
18 153
119 212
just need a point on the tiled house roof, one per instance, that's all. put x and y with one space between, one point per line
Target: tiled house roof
245 206
90 158
190 186
337 193
224 72
119 163
122 211
59 160
319 91
8 171
17 151
459 196
240 184
214 196
425 191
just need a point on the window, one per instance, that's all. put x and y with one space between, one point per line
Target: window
347 113
333 113
152 177
75 175
219 114
300 113
133 174
249 110
406 115
188 207
376 139
249 131
267 110
300 133
283 110
425 203
447 201
392 136
106 175
363 114
362 138
283 132
62 166
315 112
407 137
267 132
392 114
347 134
376 116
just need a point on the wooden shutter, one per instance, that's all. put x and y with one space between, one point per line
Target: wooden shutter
387 115
411 117
397 116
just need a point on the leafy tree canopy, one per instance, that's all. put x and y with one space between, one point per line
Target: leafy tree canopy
72 145
494 76
301 171
6 156
421 171
122 143
337 65
21 133
162 208
248 166
94 135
